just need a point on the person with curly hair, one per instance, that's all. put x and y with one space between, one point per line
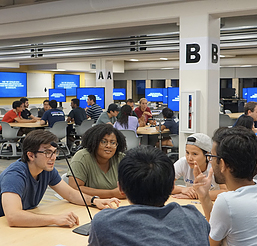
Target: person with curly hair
96 165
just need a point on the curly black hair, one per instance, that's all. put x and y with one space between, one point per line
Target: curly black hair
92 137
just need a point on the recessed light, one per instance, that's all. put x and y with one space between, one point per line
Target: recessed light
165 59
246 66
133 59
222 56
166 68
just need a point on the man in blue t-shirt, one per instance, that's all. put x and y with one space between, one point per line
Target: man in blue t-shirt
24 182
52 115
146 176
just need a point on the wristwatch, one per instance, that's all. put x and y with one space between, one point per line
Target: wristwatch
92 200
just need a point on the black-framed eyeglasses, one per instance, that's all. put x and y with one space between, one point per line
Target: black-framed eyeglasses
49 153
210 156
104 143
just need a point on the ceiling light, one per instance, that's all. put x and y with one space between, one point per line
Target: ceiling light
222 56
167 68
133 59
246 66
165 59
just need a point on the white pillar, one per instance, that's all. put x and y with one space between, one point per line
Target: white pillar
199 70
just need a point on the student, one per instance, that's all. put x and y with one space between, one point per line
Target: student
197 145
109 117
46 107
96 165
126 120
246 121
129 102
146 177
143 112
233 216
14 115
25 181
25 114
52 115
95 110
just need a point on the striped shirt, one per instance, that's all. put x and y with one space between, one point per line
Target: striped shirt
94 112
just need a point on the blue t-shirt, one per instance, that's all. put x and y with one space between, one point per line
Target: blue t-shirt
53 115
172 124
17 178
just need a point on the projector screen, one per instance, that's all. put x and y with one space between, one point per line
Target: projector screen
154 94
173 98
13 84
99 92
119 94
57 94
70 82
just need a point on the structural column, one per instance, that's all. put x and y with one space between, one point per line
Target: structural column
199 72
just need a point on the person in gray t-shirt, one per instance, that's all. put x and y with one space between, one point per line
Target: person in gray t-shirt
109 117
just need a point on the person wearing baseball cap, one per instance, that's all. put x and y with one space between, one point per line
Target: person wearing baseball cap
109 117
197 145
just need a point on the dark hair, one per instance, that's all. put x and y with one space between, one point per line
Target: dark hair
16 104
130 101
92 137
237 146
24 99
250 106
167 113
46 101
246 121
53 104
92 97
33 140
146 175
125 112
75 101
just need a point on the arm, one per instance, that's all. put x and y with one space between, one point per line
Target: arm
214 243
69 119
42 122
21 120
162 127
34 118
73 196
213 193
95 192
15 216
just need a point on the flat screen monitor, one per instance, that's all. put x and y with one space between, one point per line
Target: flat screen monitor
57 94
13 84
245 90
173 98
82 94
165 95
227 92
154 94
70 82
252 94
119 94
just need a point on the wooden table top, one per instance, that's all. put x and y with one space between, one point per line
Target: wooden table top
27 125
147 130
54 235
235 115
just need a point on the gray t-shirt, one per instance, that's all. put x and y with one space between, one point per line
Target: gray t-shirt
104 118
141 225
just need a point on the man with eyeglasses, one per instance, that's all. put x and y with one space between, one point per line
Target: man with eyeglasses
24 182
233 215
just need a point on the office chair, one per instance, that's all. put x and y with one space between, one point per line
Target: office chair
225 121
3 111
59 129
174 150
34 111
11 146
131 139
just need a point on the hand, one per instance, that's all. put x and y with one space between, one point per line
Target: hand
190 192
33 120
116 193
181 196
202 184
68 219
147 113
106 203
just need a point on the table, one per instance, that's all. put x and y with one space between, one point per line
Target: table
235 115
27 125
54 235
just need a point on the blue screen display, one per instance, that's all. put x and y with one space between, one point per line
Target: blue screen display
13 84
70 82
82 94
165 95
245 90
252 95
57 94
173 98
119 94
154 94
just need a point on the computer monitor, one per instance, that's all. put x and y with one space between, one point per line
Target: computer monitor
57 94
70 82
173 98
252 94
13 84
227 92
83 93
119 94
154 94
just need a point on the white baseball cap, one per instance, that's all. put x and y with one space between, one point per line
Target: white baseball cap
201 141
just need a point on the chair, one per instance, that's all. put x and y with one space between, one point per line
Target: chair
174 153
225 121
65 178
11 147
34 111
80 130
131 138
3 111
59 129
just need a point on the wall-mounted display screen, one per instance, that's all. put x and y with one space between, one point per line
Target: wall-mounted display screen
119 94
251 94
165 95
173 98
13 84
57 94
70 82
82 94
154 94
245 90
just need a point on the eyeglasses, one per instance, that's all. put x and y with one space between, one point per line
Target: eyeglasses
49 153
209 157
104 143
